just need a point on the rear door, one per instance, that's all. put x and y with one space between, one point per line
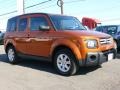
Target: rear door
22 35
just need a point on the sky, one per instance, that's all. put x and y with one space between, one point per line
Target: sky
107 11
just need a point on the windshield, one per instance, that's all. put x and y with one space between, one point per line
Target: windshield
66 23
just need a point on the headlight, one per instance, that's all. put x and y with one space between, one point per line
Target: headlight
91 43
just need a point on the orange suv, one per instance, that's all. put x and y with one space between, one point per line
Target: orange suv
57 38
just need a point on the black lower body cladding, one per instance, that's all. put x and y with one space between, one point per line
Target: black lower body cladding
97 58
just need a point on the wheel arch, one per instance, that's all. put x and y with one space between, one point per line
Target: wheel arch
57 48
65 44
8 45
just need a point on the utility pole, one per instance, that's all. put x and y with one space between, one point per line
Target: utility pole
20 7
23 6
60 4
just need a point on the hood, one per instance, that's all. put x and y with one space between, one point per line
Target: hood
88 33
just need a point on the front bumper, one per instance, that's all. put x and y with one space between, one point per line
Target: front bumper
97 58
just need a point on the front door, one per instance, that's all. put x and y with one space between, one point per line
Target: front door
40 41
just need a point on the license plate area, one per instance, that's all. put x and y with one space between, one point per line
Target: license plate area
110 56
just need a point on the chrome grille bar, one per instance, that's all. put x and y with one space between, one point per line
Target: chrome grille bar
105 41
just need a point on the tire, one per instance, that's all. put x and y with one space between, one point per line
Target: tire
12 55
65 62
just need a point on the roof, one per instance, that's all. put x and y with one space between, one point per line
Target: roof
37 13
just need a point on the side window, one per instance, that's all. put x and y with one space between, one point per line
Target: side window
118 29
22 24
11 26
36 22
99 29
105 29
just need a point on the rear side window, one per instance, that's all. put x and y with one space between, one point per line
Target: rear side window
22 24
12 24
36 22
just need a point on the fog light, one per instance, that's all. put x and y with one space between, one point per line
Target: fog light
93 58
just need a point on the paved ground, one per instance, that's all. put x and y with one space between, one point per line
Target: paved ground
34 75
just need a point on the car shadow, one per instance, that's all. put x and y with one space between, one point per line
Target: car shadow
29 63
86 70
45 66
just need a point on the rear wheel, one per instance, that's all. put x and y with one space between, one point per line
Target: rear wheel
64 62
11 54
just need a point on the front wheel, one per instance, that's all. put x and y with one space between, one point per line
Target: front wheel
11 54
64 62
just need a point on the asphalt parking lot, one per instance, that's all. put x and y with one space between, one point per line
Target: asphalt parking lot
36 75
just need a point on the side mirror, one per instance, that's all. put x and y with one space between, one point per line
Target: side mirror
44 28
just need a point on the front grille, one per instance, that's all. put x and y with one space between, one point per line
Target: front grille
104 41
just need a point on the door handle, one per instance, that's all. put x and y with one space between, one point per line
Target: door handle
28 35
